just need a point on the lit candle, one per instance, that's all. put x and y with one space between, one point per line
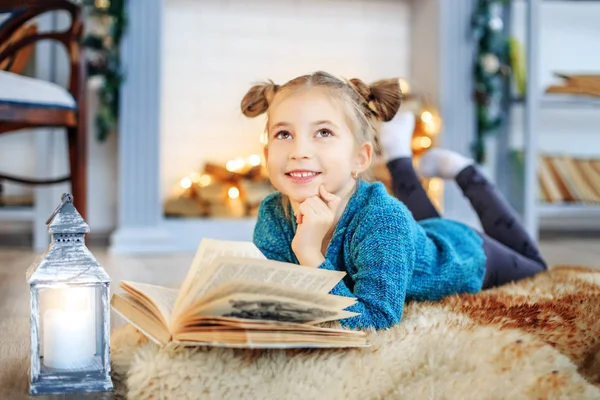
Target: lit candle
69 336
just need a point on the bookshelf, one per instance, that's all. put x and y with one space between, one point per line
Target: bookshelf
526 198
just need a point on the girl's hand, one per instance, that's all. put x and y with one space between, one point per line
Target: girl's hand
315 217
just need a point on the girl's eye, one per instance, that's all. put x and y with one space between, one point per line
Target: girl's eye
324 133
283 135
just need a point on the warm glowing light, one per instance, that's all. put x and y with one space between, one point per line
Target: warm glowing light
431 128
233 193
195 177
254 160
435 185
425 142
404 86
426 117
204 180
231 165
186 183
102 4
264 139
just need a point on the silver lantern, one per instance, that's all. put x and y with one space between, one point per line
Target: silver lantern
70 325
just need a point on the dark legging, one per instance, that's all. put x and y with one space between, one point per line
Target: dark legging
510 252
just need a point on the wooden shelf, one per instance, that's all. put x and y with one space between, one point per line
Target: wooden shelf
555 101
571 210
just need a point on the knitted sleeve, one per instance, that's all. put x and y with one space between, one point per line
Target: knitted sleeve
383 253
271 235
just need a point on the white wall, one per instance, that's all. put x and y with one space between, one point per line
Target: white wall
569 42
215 50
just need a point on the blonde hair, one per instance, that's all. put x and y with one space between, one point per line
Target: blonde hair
365 105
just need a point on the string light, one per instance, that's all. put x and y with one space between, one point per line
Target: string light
254 160
426 117
233 193
425 142
404 86
434 185
204 180
235 165
186 183
264 138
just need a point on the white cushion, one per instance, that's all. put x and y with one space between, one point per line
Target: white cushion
19 89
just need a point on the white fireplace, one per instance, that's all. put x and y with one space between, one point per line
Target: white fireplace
189 63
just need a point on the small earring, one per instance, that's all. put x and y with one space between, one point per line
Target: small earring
354 174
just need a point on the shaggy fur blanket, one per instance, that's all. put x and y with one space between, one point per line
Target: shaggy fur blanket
535 339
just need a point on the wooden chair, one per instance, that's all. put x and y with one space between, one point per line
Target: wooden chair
30 103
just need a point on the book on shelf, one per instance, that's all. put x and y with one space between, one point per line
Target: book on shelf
576 84
233 296
565 179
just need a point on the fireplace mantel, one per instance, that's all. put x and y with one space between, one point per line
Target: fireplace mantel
442 57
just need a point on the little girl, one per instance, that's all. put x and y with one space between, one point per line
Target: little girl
321 132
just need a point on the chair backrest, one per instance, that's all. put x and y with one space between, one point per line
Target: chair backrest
16 36
17 63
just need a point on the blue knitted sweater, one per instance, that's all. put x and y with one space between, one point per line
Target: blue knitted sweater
389 257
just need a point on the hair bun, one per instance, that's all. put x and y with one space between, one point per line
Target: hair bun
386 96
362 89
381 99
258 98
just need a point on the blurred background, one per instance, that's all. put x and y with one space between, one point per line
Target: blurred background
147 133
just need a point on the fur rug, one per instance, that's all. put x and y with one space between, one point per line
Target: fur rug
536 339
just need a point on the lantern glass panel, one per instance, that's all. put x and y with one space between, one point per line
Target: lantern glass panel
70 329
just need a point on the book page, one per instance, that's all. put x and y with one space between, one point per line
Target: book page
162 298
320 299
226 269
271 308
208 250
203 323
268 339
139 316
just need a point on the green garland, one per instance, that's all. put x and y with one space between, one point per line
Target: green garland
490 70
104 59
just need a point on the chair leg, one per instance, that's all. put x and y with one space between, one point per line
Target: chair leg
78 164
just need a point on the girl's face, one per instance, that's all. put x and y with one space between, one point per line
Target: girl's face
310 143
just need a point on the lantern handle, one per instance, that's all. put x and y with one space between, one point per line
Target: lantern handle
64 199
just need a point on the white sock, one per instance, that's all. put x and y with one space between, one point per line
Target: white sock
442 163
395 136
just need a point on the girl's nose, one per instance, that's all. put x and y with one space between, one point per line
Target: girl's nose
301 149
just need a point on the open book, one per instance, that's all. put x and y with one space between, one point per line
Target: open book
233 296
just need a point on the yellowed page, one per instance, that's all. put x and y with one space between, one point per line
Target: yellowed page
139 316
208 250
267 289
272 308
202 323
226 269
265 339
163 298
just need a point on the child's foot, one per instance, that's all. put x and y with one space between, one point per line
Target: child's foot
442 163
395 136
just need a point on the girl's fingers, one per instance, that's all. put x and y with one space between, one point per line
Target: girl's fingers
318 205
330 199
